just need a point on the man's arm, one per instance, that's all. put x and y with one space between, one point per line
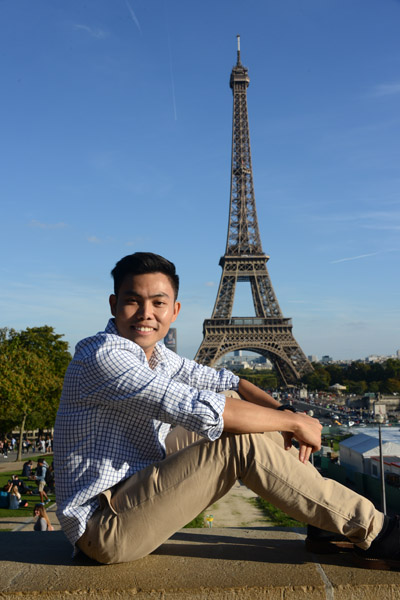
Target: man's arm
241 416
255 395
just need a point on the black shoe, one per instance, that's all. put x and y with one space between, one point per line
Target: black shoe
326 542
384 552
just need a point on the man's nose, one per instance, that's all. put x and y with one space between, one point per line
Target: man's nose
144 311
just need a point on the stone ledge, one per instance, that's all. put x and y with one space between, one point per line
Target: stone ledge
195 564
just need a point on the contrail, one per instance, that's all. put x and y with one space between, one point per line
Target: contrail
353 258
170 62
134 17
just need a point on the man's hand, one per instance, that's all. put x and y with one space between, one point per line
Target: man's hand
307 433
305 450
245 417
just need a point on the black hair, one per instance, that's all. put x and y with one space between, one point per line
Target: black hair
140 263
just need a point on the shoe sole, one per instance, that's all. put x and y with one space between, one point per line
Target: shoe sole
328 547
378 564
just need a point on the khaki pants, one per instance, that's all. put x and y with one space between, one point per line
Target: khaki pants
140 513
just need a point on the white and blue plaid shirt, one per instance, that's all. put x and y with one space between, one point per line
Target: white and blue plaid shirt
115 412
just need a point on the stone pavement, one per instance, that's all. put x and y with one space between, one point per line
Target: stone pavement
194 564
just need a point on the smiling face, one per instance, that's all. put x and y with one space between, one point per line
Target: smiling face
144 309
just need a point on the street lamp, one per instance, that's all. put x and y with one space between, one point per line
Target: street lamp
311 414
379 420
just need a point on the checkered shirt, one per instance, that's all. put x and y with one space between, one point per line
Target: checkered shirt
115 412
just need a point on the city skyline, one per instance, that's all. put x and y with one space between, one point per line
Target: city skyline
116 137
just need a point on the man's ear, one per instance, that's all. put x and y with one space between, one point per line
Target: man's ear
113 303
177 308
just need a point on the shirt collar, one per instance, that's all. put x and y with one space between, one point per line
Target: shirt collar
156 358
111 327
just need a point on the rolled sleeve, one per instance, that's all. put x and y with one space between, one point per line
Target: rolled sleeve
200 411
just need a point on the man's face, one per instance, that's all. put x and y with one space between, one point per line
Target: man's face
144 309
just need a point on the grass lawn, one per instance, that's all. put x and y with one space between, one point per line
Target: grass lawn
32 500
197 522
275 515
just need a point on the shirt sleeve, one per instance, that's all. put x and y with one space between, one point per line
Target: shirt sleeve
200 376
118 376
43 524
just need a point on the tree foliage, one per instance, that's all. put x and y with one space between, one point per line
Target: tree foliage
265 380
32 368
358 377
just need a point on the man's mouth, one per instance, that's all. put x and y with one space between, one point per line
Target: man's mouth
144 329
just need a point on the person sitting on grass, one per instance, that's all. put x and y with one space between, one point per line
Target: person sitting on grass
22 488
42 522
27 469
15 498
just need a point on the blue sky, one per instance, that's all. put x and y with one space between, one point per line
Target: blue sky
116 137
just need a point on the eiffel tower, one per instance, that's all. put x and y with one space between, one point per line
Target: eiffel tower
269 333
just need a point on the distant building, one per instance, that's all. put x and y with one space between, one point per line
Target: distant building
374 358
170 340
391 464
372 401
241 361
357 452
326 360
312 358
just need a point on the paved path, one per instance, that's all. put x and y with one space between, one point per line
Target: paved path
15 466
235 510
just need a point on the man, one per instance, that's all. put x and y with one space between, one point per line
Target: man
120 494
40 478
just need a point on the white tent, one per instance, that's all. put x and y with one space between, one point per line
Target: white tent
356 452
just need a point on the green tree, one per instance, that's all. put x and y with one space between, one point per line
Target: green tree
32 368
373 386
44 342
264 379
356 387
392 386
392 367
319 379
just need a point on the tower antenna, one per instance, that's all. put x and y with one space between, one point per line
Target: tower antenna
238 50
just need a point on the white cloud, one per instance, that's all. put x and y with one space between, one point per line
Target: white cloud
134 17
93 239
353 257
95 32
209 283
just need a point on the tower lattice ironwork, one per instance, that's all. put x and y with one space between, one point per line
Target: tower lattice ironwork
269 333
